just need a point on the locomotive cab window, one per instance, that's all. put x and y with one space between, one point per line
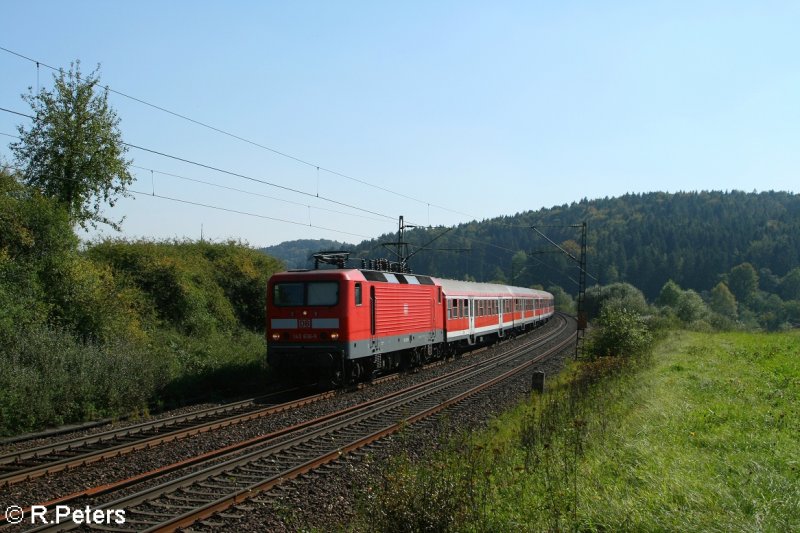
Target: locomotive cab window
358 293
323 293
311 293
288 294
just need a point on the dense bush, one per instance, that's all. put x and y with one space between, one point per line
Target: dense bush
620 331
196 287
52 378
622 294
123 325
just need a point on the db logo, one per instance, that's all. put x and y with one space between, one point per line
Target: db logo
305 323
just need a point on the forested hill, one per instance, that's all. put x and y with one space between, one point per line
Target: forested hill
297 254
643 239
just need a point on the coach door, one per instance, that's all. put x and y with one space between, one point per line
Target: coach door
500 303
471 312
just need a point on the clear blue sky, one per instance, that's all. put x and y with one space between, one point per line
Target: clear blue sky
478 108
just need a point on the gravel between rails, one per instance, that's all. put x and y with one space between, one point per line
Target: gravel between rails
325 500
298 504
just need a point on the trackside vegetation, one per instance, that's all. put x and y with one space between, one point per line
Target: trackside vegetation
118 327
699 434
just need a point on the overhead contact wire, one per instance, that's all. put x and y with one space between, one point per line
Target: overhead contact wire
257 180
253 143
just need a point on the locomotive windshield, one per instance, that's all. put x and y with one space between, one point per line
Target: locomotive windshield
298 293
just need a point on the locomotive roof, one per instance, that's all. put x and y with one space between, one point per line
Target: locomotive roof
450 287
365 275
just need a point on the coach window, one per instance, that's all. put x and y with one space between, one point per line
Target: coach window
358 294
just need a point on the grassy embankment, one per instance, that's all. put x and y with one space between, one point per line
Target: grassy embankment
704 435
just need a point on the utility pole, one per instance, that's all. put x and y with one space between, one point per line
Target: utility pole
401 247
582 322
581 332
403 252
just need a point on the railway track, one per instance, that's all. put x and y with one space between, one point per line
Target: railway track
24 465
270 460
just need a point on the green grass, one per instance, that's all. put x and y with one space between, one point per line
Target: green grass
704 437
711 445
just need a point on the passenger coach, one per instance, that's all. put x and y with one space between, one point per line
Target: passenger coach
477 310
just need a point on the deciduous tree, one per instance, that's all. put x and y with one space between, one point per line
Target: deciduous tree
743 282
73 150
723 301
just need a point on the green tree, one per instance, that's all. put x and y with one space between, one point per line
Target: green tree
619 294
790 285
691 307
563 301
518 261
793 312
670 295
723 301
73 151
622 331
743 282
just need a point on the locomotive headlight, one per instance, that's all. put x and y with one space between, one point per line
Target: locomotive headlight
276 336
334 336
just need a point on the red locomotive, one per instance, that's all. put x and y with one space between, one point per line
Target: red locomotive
349 324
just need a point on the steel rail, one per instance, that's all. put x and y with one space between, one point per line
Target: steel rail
221 504
84 450
369 413
243 445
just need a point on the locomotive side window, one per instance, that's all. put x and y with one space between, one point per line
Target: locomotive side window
358 293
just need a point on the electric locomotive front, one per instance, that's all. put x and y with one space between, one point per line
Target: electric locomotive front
350 324
309 321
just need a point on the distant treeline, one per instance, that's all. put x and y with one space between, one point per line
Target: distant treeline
643 239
